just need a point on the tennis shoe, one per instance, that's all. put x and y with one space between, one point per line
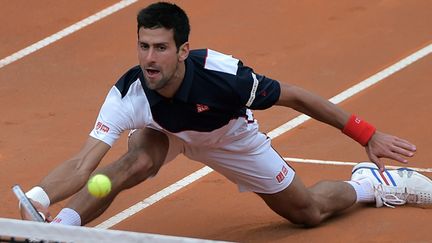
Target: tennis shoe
395 187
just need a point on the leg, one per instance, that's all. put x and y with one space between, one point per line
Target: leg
250 162
255 166
146 154
311 206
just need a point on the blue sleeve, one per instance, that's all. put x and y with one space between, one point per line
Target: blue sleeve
256 91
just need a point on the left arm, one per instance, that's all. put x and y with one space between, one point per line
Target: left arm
312 105
380 145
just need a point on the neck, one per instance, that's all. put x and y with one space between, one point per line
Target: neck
173 85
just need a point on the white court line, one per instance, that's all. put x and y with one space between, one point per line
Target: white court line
330 162
65 32
154 198
357 88
273 134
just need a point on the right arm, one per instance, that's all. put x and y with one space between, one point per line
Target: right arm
67 178
70 176
116 115
125 107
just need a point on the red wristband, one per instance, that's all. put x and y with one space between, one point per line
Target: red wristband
359 130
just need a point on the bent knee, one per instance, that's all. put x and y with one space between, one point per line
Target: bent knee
134 167
308 217
149 142
147 164
295 204
300 212
141 164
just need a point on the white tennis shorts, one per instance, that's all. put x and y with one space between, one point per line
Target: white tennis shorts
250 162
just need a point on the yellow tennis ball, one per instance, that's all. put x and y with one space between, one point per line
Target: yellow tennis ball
99 185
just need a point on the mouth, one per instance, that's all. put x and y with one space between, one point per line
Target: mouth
151 72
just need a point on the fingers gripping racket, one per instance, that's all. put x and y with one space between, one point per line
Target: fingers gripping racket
26 203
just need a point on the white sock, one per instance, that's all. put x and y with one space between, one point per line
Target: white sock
67 216
364 190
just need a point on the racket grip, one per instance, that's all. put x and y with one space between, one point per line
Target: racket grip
43 216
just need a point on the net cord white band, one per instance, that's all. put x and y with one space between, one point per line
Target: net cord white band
65 233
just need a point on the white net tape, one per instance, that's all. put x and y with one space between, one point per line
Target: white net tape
62 233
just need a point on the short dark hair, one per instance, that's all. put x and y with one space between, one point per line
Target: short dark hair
165 15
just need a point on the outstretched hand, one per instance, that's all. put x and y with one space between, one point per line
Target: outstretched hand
41 209
383 145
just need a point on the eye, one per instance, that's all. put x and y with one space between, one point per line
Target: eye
161 47
144 46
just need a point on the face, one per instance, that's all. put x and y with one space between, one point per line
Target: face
159 58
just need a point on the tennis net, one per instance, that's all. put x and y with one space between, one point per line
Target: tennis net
12 230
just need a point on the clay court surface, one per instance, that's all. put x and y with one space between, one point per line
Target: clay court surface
49 101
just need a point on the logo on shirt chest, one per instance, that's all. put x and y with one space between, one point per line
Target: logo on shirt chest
201 108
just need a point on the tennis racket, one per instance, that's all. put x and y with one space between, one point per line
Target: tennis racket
26 203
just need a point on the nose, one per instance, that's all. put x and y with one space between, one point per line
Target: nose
150 55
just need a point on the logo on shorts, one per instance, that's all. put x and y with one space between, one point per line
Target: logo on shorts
282 174
202 108
101 127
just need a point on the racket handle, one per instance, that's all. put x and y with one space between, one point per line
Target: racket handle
26 203
43 216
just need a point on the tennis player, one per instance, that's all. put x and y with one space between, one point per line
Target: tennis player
199 103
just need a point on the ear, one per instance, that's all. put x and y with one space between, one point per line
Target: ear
183 52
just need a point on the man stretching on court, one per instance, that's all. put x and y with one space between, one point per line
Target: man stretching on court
199 102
